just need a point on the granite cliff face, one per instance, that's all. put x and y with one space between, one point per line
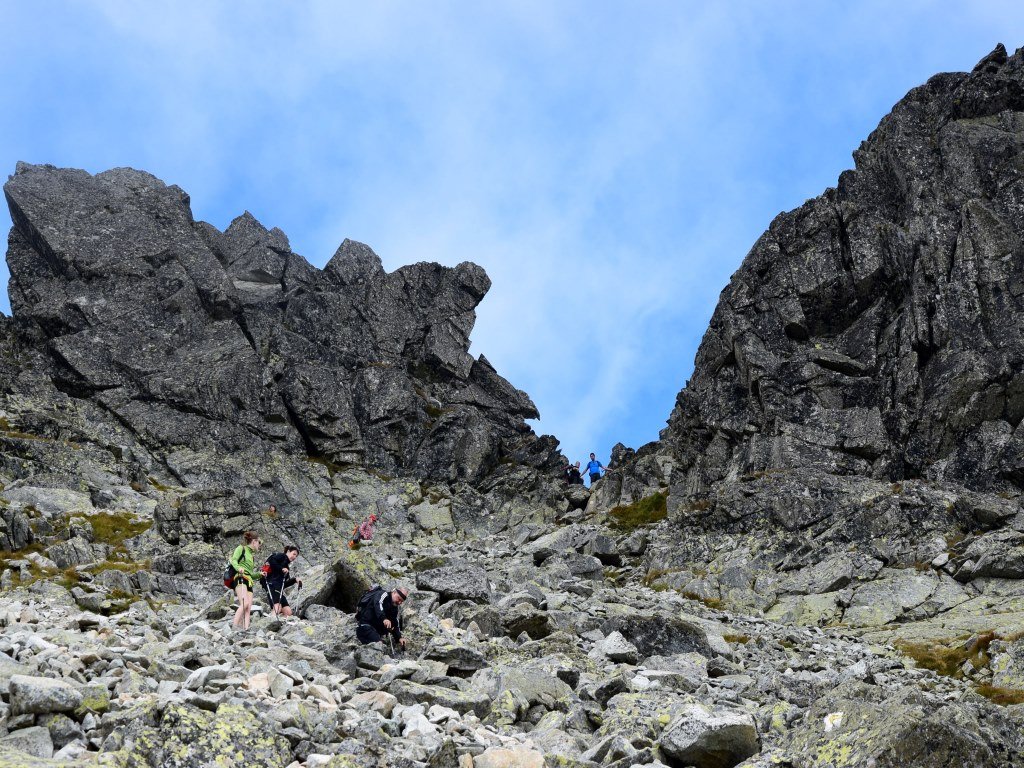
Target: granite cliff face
878 330
204 343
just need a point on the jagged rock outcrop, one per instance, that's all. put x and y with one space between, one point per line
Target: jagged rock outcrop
204 343
848 448
878 330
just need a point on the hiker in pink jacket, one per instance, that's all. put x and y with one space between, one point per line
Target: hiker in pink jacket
363 532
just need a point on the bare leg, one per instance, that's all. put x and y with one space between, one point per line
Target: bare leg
240 593
248 609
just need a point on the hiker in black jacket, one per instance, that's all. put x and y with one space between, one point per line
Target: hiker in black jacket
279 578
378 616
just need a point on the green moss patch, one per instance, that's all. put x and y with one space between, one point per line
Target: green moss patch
116 528
647 511
710 602
948 660
1001 696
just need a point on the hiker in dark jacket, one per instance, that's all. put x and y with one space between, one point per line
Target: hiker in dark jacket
573 475
379 616
279 578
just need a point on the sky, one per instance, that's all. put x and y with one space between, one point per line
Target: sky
609 164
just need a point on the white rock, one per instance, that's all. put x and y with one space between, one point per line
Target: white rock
617 648
439 714
258 683
699 734
376 701
509 757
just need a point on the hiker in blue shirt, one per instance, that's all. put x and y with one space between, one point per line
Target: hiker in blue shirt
594 467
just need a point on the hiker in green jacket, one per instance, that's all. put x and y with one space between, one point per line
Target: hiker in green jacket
244 563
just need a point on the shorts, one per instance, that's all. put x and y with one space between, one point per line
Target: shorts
240 579
594 477
277 594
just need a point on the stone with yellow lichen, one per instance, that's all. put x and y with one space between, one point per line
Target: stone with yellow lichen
186 737
15 758
907 729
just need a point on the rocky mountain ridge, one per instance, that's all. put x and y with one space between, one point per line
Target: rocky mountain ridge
856 401
205 342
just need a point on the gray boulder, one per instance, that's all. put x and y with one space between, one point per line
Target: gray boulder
710 738
34 741
457 581
42 695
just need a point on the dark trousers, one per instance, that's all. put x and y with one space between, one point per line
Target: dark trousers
367 634
594 477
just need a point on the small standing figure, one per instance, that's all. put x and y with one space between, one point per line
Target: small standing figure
573 475
594 468
363 531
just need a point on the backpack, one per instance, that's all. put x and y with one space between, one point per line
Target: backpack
368 597
229 576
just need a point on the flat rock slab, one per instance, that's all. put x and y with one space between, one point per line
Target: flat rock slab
42 695
34 741
409 693
515 757
458 581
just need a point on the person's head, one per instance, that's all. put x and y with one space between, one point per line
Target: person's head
399 595
251 540
592 456
273 508
292 552
577 465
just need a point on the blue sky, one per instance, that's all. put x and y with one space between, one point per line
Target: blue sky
609 164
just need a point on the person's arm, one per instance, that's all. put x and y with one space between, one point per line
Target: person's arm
396 628
249 563
379 614
236 559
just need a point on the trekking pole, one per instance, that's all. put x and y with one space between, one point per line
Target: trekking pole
392 644
270 597
280 594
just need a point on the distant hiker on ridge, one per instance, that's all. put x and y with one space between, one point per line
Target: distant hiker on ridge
363 532
594 468
573 476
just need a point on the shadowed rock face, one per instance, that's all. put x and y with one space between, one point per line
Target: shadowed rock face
878 330
205 342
